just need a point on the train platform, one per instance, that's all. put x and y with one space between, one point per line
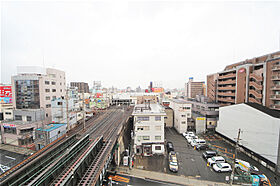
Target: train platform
167 178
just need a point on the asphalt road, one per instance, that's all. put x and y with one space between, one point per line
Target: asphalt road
191 162
127 181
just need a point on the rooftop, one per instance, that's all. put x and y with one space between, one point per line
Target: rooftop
180 101
271 112
51 127
151 108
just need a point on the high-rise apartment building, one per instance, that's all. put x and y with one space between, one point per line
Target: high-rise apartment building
82 86
194 88
35 87
254 80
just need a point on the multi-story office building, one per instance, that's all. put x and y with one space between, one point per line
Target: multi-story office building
182 115
194 88
254 80
35 87
82 86
148 129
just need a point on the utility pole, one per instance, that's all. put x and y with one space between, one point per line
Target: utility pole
235 154
84 119
67 112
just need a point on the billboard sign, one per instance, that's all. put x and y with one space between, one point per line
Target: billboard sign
5 94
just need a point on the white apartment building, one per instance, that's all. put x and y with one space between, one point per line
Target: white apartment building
182 115
35 87
148 129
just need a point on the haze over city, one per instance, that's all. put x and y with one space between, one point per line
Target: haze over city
130 43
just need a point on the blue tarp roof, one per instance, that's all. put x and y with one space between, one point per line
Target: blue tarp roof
51 127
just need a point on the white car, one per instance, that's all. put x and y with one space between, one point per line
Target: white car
222 167
188 133
196 142
191 138
216 159
246 166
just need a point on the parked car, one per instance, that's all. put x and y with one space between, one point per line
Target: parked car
209 154
173 163
215 159
201 147
169 146
196 142
246 166
191 138
222 167
185 134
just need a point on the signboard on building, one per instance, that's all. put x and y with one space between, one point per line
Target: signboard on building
6 125
200 125
5 94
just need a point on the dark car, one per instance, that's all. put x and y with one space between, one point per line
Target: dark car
201 147
209 154
169 147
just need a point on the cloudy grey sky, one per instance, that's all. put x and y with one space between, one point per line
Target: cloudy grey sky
129 43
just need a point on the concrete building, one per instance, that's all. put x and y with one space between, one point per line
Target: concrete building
182 115
204 113
6 104
148 129
255 80
82 86
194 88
50 133
35 87
260 126
168 119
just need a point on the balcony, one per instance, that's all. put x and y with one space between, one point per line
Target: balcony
227 76
253 100
275 87
256 93
256 77
276 68
229 100
275 97
275 78
227 88
277 107
256 85
226 94
228 82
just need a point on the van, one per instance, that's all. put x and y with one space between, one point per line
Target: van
196 142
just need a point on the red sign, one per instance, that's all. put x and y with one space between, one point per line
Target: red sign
242 70
9 125
5 94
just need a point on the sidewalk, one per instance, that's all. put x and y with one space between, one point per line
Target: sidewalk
163 177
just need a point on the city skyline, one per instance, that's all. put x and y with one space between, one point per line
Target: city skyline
119 43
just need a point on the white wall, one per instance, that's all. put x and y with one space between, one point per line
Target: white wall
260 132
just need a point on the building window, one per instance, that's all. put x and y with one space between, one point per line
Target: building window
165 117
8 113
143 118
11 130
146 137
60 90
188 114
48 105
183 122
47 90
47 82
60 83
53 83
18 117
54 97
28 118
53 90
157 137
48 97
157 147
186 108
59 103
47 115
143 128
158 118
158 127
183 116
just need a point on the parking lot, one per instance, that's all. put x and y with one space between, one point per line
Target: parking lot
190 161
224 145
9 159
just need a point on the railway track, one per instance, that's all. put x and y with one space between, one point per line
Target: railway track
98 140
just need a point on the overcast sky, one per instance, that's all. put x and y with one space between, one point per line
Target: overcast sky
130 43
